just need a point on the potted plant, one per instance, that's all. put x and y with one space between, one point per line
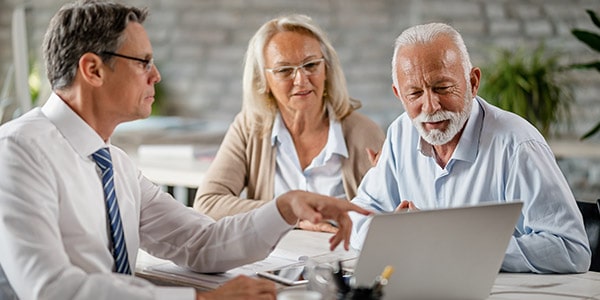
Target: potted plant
593 41
528 83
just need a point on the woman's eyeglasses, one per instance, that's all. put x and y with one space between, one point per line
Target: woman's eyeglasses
289 72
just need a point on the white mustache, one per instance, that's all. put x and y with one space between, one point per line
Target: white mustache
436 117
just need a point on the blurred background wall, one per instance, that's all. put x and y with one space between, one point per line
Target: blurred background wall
199 47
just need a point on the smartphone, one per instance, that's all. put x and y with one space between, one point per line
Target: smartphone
291 275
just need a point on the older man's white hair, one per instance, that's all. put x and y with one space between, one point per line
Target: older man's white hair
427 33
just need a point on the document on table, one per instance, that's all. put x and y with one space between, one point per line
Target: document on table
294 248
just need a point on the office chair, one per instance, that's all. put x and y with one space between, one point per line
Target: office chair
591 219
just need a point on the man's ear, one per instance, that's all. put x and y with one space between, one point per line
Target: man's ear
475 78
396 92
90 69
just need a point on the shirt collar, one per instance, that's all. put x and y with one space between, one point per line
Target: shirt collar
468 144
82 138
278 129
335 138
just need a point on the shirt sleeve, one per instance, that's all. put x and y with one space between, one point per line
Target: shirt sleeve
172 231
373 195
32 255
549 236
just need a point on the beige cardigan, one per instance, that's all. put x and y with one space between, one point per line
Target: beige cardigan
246 159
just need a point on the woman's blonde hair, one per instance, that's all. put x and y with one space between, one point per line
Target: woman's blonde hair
259 105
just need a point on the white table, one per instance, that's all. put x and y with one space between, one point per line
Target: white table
174 171
186 173
175 167
507 286
575 149
544 287
180 177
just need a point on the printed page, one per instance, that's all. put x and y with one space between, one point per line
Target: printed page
294 248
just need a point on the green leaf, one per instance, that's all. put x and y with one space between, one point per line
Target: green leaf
591 132
593 17
591 65
589 38
525 82
593 41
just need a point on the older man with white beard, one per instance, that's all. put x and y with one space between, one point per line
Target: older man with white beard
452 149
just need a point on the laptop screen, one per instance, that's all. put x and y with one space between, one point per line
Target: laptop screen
452 253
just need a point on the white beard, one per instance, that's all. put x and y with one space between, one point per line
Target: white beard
456 122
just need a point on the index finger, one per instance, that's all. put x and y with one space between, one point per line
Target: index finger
358 209
373 156
343 233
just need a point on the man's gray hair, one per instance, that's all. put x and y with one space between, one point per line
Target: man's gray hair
83 27
427 33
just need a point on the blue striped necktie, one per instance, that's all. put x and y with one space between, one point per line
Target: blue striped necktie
103 160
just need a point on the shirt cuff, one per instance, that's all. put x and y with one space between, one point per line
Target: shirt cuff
269 222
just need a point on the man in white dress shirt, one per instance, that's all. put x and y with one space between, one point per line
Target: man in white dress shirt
56 241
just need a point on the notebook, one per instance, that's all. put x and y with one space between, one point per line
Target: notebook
452 253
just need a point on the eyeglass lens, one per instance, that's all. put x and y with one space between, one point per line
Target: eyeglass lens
289 72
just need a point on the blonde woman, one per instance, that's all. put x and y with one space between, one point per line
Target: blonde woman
298 128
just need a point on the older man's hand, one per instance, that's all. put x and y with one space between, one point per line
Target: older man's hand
406 206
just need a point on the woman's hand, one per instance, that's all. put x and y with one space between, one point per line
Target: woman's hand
373 156
322 226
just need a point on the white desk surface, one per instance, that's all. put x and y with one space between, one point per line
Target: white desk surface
174 165
575 149
543 287
174 172
507 285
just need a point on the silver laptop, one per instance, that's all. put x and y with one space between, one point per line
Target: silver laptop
453 253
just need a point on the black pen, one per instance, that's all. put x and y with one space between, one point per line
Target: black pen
343 288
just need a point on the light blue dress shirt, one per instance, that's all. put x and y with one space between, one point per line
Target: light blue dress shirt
499 158
323 175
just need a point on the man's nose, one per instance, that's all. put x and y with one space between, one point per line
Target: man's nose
431 103
155 77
